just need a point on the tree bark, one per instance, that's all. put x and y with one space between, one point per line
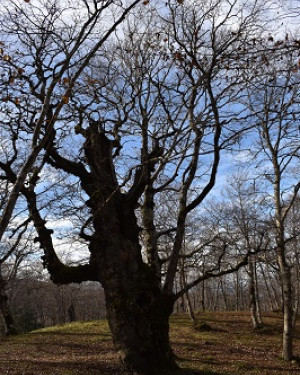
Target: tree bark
10 327
258 302
186 296
138 320
254 303
137 310
71 313
287 298
225 297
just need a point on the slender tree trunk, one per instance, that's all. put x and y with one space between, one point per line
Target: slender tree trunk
237 292
270 288
217 299
271 298
296 307
71 313
177 304
10 327
203 306
224 294
189 304
254 308
257 296
288 329
287 298
297 283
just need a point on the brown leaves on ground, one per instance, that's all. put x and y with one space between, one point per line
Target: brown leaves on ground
230 347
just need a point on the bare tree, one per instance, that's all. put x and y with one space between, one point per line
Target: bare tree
129 121
240 220
275 103
247 208
14 250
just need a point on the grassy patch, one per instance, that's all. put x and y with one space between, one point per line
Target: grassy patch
93 327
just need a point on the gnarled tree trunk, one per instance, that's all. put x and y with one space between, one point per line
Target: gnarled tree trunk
137 310
138 319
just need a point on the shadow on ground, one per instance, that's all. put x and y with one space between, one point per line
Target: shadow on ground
198 372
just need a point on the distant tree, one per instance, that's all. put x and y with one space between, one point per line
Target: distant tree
13 255
14 250
241 221
127 121
274 103
294 251
247 214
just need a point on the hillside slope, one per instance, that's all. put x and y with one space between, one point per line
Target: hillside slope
229 347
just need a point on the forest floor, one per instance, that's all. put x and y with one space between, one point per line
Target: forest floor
228 346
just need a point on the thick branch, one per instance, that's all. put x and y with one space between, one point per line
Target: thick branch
71 167
59 272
